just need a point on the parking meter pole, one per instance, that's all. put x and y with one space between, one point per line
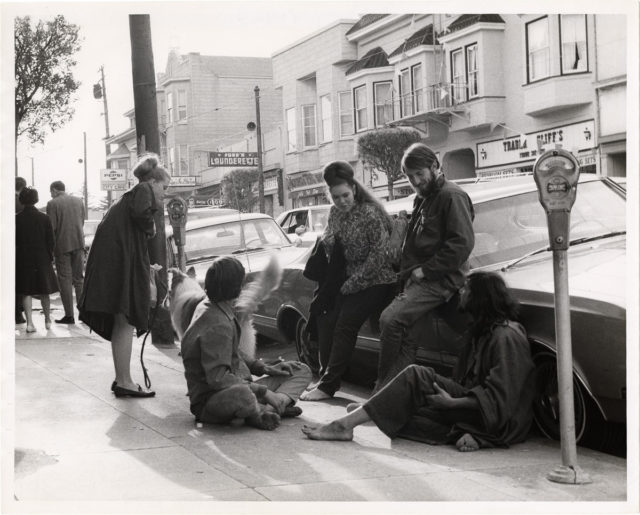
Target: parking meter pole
556 174
178 210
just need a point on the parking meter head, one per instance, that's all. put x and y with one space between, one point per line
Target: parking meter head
177 210
556 173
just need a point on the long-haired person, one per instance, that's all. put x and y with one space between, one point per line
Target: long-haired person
116 297
361 225
487 402
34 257
434 258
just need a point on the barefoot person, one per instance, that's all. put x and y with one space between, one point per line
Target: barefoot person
219 376
487 403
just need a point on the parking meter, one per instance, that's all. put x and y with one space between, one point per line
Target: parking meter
177 209
556 174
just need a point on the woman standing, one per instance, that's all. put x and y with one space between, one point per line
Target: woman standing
362 226
116 297
34 257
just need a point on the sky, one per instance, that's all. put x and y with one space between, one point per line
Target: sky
210 28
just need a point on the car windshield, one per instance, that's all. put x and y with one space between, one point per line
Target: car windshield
509 227
233 238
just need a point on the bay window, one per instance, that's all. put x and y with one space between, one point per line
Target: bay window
538 54
382 100
360 103
345 106
309 125
573 43
325 108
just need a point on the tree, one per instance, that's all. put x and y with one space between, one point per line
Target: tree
382 150
237 187
44 81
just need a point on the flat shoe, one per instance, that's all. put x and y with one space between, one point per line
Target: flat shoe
125 392
31 329
47 324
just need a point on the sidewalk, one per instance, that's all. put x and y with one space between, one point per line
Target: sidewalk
74 441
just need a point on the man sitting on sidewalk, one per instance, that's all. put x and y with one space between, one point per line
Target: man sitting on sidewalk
487 403
219 375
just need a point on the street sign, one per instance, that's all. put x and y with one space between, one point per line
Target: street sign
183 180
233 159
113 179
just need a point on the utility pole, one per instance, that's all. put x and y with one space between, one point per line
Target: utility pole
259 136
106 126
148 139
86 187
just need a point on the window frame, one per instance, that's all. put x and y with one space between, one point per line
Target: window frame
384 106
527 56
406 72
469 72
586 45
345 111
182 159
357 111
314 126
456 97
292 130
180 106
326 119
172 159
417 96
169 107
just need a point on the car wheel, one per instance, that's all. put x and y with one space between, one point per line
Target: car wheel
306 348
546 404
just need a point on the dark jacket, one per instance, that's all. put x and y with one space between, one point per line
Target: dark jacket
117 274
67 217
330 274
440 235
34 253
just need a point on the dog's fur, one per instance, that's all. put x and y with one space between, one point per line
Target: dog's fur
186 294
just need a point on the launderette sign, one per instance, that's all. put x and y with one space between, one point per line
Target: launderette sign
233 159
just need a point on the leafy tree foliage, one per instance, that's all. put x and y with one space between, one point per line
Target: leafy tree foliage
237 189
44 80
381 151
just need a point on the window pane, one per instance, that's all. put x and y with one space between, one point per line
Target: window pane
472 70
538 44
169 107
406 101
361 107
418 87
346 113
574 43
327 129
182 104
458 79
291 129
309 125
383 103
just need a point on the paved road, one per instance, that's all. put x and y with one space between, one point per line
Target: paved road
74 441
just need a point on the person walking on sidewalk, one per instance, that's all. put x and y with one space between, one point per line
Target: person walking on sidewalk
434 258
487 402
34 257
20 185
116 296
363 227
67 216
219 376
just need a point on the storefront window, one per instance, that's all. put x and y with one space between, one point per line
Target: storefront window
472 70
383 101
291 130
325 108
538 49
309 125
573 35
360 100
345 106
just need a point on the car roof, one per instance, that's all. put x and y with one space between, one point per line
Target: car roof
217 220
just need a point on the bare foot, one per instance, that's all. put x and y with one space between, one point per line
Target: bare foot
467 443
281 401
315 395
331 431
352 406
266 419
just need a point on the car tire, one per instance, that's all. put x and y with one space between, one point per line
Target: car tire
306 348
546 403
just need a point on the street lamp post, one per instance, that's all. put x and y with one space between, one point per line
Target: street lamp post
259 136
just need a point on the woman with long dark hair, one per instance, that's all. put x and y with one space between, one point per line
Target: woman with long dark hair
116 295
361 225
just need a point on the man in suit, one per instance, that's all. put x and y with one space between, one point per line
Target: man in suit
67 216
20 185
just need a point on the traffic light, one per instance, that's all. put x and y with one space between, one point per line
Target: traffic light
97 90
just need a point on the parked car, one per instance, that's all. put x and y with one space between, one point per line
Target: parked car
305 223
511 238
250 237
198 213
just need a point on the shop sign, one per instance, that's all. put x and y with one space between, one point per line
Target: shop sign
305 179
229 159
183 180
203 202
524 148
113 179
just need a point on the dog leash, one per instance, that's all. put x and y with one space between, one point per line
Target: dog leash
147 379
